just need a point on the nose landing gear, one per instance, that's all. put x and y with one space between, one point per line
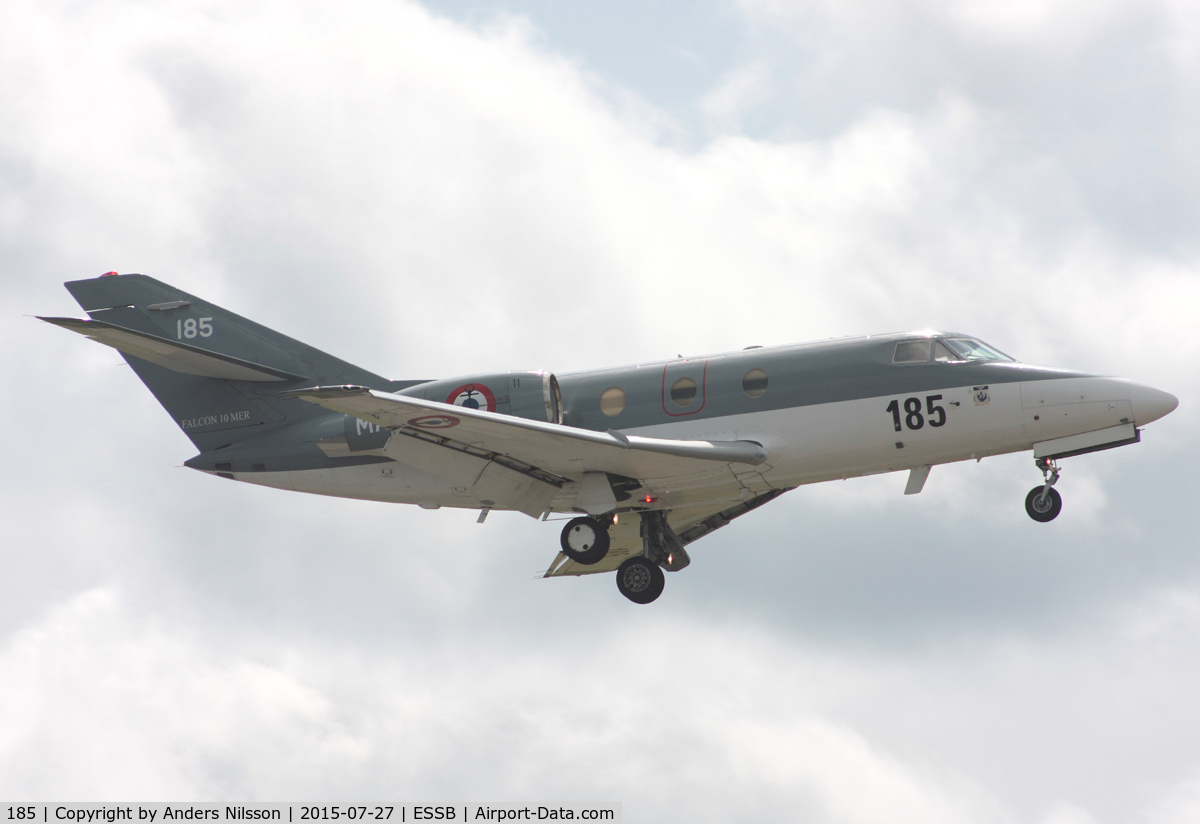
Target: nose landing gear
1043 503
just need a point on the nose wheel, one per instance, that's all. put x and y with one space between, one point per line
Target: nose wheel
585 540
1043 503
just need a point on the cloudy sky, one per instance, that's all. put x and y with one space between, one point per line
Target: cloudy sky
456 187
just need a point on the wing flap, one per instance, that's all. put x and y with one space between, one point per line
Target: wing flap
174 355
503 486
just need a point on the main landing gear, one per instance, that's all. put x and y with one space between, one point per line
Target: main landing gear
1043 503
640 579
585 540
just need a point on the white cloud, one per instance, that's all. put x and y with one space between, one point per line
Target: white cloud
98 705
741 90
1068 814
732 723
437 161
1027 21
1180 806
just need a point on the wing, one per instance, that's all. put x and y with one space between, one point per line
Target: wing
524 464
547 450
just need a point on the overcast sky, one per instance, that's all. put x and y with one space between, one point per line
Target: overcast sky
454 188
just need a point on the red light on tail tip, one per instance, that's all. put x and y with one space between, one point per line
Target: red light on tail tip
110 274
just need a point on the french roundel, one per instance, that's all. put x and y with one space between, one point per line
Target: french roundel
473 396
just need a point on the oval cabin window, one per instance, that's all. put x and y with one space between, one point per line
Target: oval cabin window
612 401
754 383
683 392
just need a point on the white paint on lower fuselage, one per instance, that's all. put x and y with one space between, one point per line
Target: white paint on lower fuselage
810 444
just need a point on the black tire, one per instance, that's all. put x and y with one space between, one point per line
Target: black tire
1041 508
585 541
640 580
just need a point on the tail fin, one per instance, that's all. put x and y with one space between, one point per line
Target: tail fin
219 375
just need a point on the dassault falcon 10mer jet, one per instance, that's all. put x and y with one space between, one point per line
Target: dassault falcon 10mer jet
650 457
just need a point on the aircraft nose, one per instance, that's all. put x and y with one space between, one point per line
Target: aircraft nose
1150 404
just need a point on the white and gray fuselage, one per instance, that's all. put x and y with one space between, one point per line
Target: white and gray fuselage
821 411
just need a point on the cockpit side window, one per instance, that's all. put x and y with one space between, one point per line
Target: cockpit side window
911 351
969 349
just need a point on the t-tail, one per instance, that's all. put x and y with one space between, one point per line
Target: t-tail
221 377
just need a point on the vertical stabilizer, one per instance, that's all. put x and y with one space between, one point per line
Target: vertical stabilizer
219 375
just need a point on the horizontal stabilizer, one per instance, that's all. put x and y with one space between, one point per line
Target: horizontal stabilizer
174 355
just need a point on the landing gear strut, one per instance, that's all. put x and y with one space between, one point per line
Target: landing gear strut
1043 503
641 578
585 540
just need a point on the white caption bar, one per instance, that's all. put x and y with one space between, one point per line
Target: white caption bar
395 813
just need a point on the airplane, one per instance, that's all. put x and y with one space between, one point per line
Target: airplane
648 458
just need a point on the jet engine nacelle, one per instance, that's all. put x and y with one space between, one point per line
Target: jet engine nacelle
532 395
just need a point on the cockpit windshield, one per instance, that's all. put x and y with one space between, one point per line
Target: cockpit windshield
946 350
969 349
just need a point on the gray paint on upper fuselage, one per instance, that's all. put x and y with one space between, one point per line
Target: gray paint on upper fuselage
798 375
